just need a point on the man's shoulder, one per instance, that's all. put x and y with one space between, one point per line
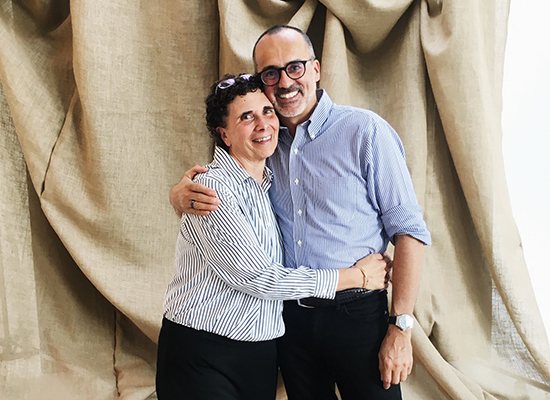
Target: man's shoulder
356 112
360 120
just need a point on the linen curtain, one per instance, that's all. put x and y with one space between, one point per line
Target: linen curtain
101 112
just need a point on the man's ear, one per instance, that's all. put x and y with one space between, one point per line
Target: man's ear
317 70
223 135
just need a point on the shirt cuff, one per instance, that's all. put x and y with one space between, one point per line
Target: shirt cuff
327 280
406 219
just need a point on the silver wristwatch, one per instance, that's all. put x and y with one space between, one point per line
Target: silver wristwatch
403 321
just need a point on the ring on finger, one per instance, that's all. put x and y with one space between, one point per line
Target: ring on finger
193 204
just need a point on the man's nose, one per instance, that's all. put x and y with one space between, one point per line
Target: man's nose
285 81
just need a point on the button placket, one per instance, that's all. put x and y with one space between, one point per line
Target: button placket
296 168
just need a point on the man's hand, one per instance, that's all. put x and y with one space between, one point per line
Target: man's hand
396 356
378 273
186 192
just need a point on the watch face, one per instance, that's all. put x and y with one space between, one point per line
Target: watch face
404 322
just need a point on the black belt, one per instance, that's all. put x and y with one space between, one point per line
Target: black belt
342 297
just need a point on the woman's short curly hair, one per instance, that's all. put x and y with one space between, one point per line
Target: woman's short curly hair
222 93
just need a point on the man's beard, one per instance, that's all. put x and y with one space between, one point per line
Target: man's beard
285 112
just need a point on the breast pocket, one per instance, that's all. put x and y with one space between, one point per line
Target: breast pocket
335 200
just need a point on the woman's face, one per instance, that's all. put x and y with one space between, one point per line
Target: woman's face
252 129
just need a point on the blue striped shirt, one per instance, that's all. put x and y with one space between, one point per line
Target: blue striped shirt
341 188
229 279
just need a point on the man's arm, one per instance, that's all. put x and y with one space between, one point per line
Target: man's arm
396 357
204 199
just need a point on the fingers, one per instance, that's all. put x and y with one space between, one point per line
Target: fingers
202 193
186 192
201 204
200 207
388 260
385 373
203 200
405 373
378 274
393 376
395 357
375 266
196 169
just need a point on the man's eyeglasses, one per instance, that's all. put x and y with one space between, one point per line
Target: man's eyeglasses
294 70
231 81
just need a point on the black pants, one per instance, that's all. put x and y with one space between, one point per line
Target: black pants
328 345
198 365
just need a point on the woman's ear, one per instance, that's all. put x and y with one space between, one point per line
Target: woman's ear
223 135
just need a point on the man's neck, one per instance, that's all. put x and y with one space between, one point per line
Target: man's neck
292 122
291 127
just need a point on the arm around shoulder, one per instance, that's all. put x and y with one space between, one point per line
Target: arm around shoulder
188 197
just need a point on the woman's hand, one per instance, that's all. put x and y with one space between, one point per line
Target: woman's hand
377 268
371 272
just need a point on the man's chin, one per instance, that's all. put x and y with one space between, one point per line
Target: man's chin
289 112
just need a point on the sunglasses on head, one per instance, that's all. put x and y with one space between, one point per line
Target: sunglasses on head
226 83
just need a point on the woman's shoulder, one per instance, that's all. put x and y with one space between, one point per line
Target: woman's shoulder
214 176
218 179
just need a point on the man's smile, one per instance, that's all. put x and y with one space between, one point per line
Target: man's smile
288 95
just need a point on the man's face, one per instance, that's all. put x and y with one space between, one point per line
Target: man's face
294 100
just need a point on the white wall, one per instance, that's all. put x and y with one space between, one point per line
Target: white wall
526 137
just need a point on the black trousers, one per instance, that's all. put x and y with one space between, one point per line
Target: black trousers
198 365
335 345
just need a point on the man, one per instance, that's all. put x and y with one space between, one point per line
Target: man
341 189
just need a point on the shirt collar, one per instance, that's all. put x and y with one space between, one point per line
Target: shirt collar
320 114
222 159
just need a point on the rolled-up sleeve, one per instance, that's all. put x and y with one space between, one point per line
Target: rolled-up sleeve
392 190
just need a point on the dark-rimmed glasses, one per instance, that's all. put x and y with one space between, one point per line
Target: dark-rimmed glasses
294 70
231 81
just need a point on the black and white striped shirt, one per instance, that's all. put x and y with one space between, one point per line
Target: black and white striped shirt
229 279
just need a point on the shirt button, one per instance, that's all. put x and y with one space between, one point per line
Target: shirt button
295 151
302 266
299 242
313 135
296 181
299 212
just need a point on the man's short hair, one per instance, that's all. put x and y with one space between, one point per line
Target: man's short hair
221 96
277 28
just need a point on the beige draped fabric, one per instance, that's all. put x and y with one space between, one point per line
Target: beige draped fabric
101 112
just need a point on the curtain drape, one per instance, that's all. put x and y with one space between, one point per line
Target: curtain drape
101 112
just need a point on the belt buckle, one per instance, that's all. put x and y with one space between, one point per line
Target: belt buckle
303 305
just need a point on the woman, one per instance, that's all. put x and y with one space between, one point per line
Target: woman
223 308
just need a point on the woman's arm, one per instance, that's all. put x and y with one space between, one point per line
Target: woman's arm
234 253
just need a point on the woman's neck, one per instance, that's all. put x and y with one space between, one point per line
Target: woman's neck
255 169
